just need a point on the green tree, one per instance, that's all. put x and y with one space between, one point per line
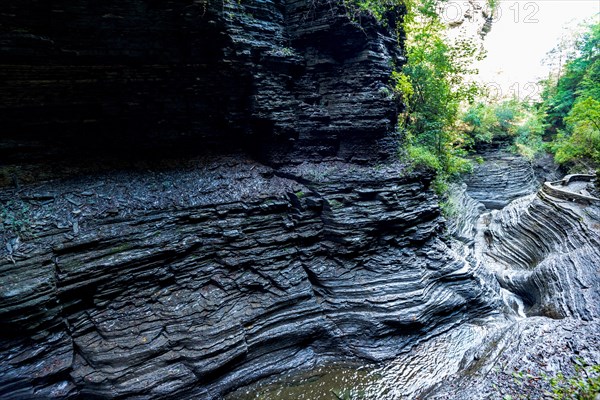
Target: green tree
583 141
516 123
433 83
573 104
479 122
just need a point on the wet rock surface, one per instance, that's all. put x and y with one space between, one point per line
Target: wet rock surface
545 254
547 251
537 259
123 279
295 241
501 179
520 359
196 280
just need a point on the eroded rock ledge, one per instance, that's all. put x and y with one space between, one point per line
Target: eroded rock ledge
536 261
194 282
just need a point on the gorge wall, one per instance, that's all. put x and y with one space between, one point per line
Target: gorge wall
196 195
225 274
291 238
287 80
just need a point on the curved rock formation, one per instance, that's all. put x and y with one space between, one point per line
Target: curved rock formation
189 282
536 260
501 179
545 252
538 256
466 211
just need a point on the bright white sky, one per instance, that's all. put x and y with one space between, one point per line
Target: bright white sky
522 33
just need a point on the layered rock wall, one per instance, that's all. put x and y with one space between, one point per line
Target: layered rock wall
306 244
286 80
191 284
189 280
547 251
503 178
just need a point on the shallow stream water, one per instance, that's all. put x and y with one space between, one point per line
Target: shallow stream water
341 381
411 373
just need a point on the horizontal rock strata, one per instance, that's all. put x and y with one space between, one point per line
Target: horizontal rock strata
544 247
188 281
501 179
285 80
189 284
185 283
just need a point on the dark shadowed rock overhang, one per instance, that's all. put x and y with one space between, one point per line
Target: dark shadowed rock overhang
284 80
306 243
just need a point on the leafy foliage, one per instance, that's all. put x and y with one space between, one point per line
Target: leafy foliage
583 386
14 218
478 123
572 103
529 133
519 124
377 8
583 122
433 85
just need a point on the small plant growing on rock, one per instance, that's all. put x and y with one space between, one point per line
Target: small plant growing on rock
585 385
386 92
335 204
14 219
282 52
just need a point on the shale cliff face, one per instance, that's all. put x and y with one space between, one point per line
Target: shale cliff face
286 80
535 261
226 274
290 239
503 178
188 281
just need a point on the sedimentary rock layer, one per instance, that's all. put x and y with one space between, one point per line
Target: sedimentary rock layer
186 284
502 178
189 284
285 80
